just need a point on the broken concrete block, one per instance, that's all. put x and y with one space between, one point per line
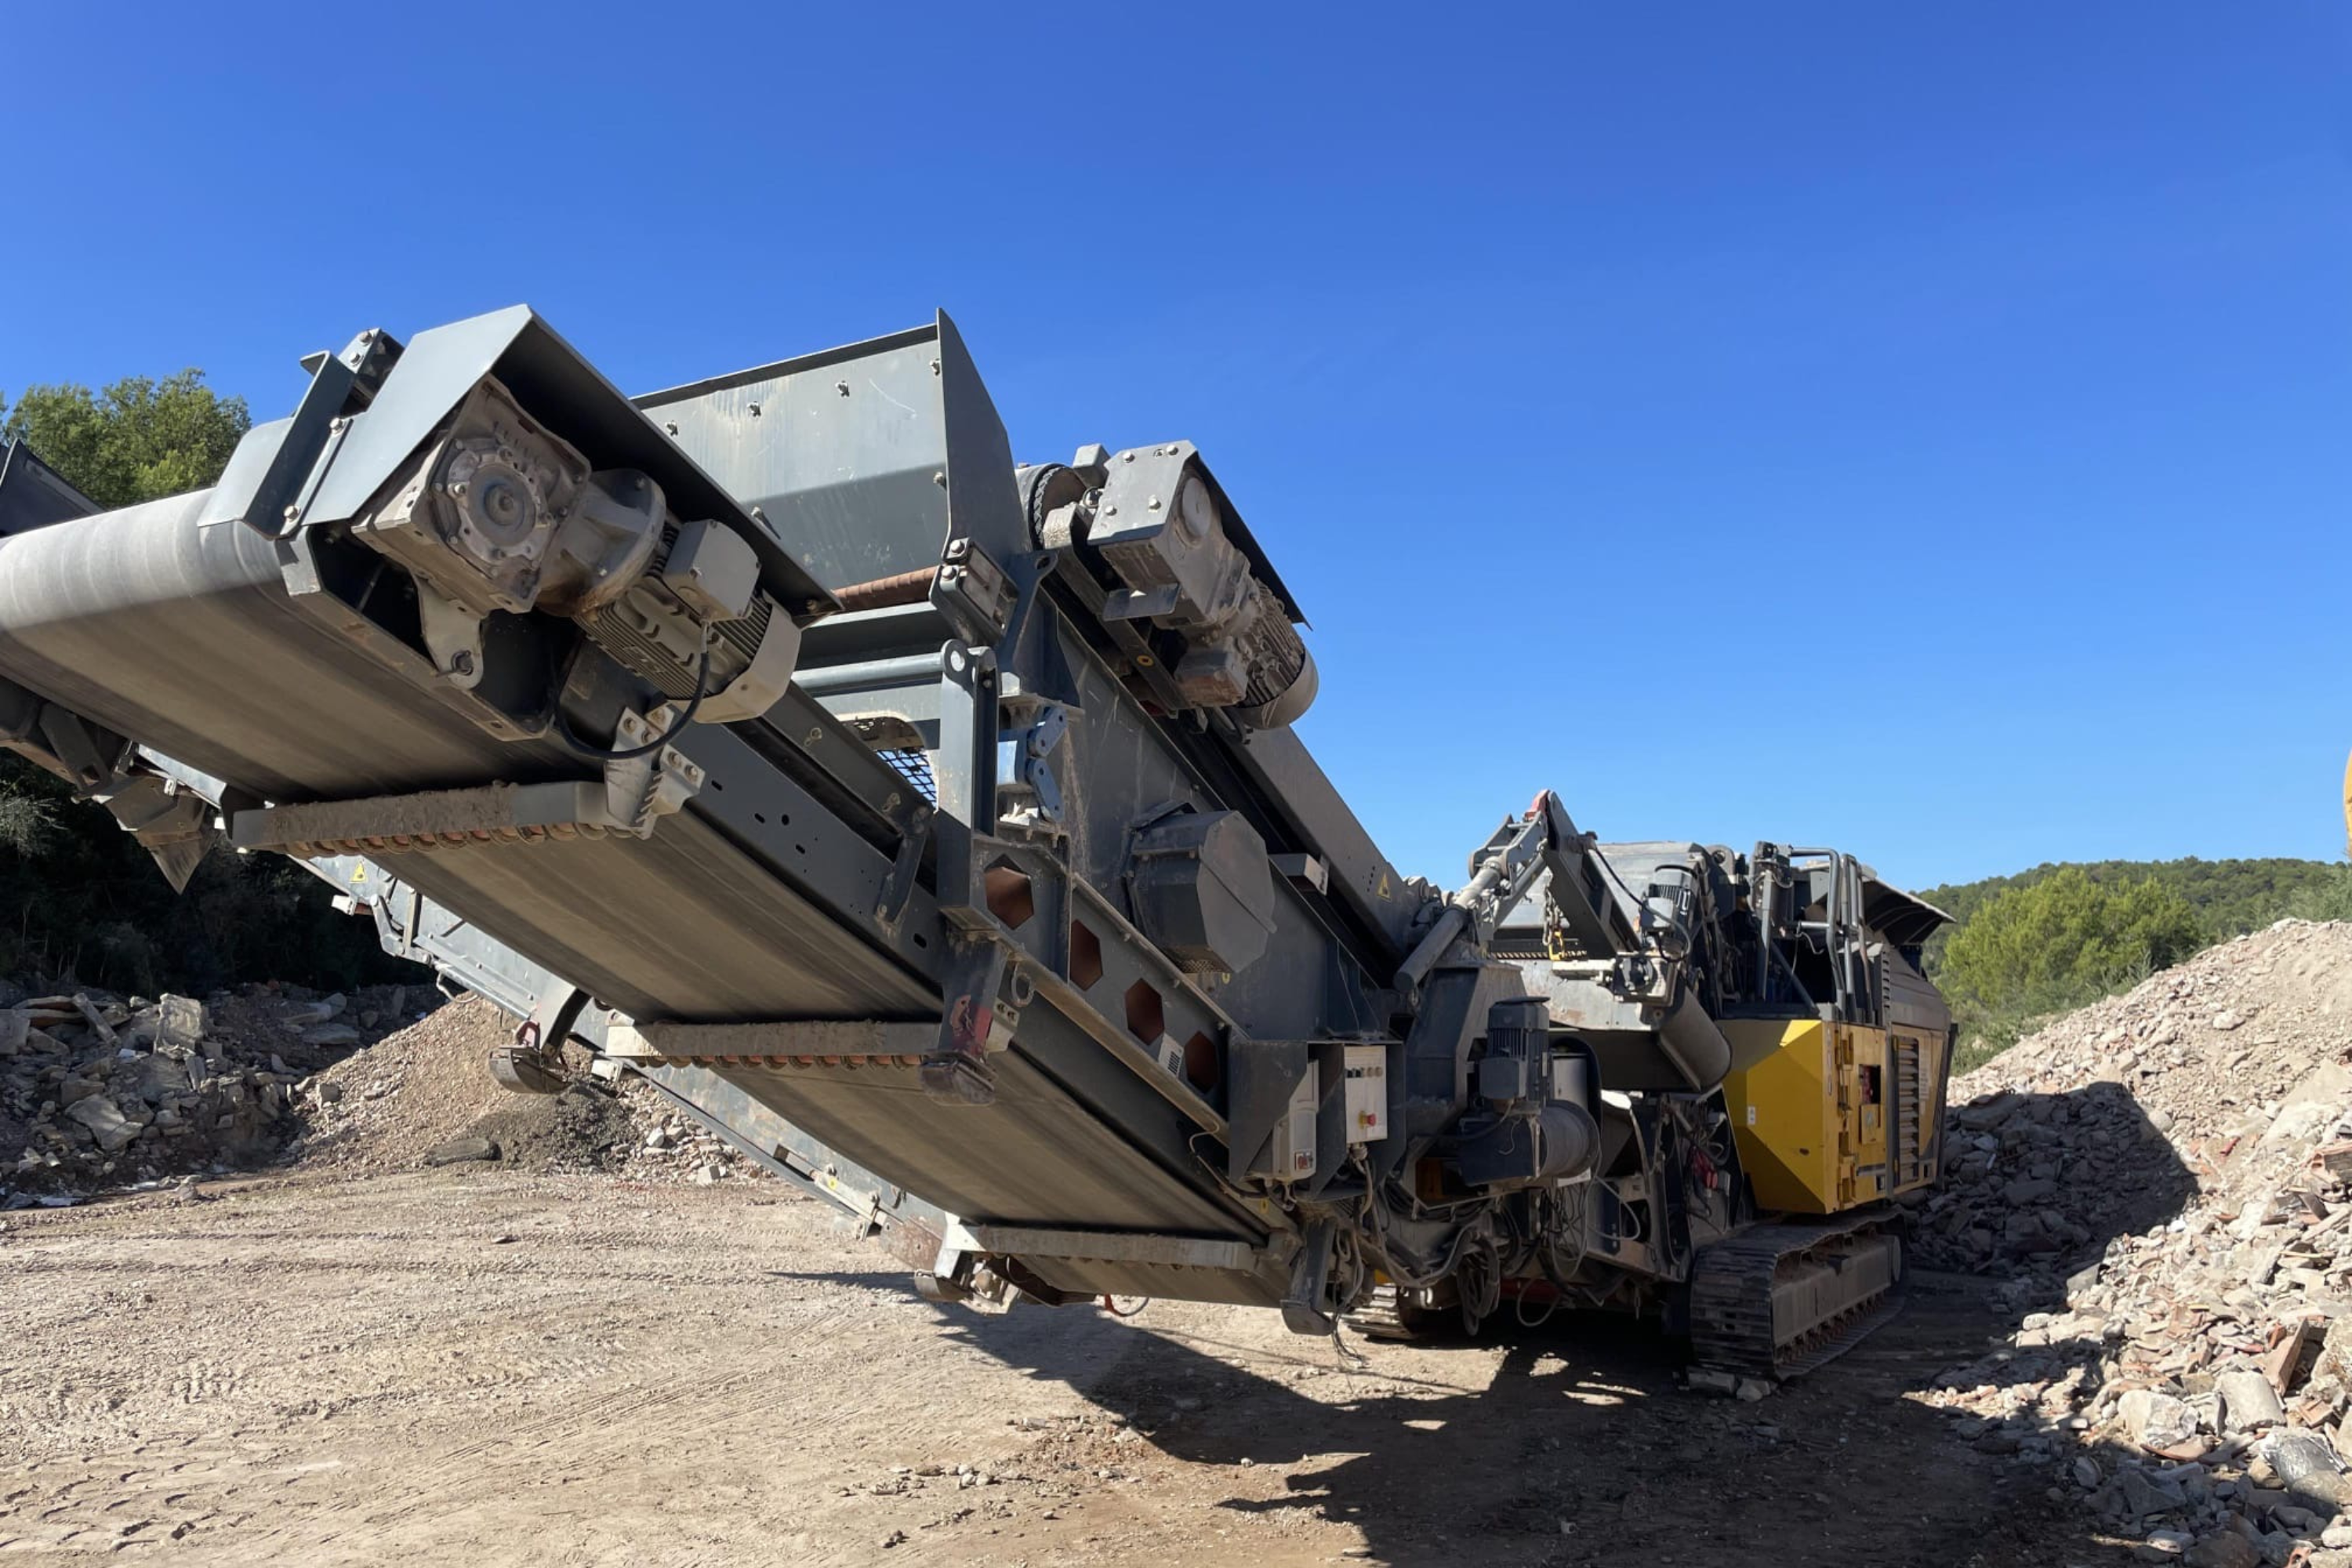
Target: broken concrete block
113 1130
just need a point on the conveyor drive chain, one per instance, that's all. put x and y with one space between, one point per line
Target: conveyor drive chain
1732 1296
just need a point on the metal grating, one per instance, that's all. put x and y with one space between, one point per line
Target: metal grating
1910 1147
914 765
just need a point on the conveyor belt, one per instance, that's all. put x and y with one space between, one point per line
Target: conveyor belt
181 635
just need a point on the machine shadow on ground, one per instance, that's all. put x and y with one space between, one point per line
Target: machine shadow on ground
1572 1442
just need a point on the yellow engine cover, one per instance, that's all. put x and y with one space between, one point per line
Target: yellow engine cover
1812 1104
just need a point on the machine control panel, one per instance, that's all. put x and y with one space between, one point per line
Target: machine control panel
1368 1093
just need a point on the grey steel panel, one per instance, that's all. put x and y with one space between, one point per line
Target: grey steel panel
1302 793
1035 1156
677 926
866 459
1104 1246
32 494
550 378
1082 1278
798 1158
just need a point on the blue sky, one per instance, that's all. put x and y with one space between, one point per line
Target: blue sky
1917 428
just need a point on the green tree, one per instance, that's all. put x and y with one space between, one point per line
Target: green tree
2329 900
2060 943
136 440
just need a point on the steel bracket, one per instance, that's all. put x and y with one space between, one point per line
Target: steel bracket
977 1019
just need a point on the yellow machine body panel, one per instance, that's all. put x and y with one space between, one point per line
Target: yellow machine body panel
1819 1112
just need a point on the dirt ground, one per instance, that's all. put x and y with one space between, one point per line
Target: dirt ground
499 1368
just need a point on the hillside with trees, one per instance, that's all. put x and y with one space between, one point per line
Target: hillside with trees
2044 942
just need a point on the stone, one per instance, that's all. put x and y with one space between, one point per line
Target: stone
2249 1403
327 1090
2160 1424
2144 1495
113 1130
2222 1550
96 1019
2087 1473
2307 1464
1989 1115
179 1023
461 1151
331 1035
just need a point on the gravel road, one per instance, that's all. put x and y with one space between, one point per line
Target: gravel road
489 1367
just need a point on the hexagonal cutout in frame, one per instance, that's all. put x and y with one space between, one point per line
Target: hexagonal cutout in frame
1201 1062
1146 1020
1012 898
1086 956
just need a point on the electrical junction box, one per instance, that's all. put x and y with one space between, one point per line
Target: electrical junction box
1291 1155
1368 1093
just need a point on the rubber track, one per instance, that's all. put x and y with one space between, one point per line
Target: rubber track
1379 1318
1731 1301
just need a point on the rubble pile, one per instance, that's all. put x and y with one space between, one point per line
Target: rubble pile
2163 1182
425 1097
100 1090
674 1145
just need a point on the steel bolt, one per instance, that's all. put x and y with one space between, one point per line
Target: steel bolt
1151 505
462 662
